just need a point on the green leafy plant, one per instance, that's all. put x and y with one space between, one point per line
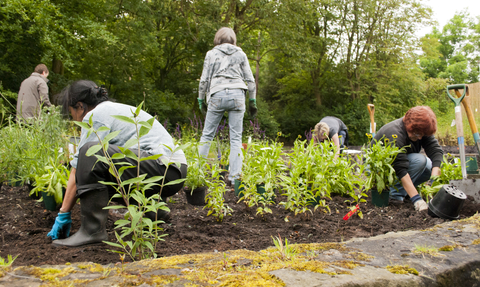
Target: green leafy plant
196 176
215 200
8 262
451 170
53 179
285 251
306 186
379 158
26 149
5 264
262 167
143 231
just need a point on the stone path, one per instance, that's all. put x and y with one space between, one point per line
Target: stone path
446 255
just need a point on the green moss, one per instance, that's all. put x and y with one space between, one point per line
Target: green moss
359 256
163 280
476 242
447 248
50 274
402 269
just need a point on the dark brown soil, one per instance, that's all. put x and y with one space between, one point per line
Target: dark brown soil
24 225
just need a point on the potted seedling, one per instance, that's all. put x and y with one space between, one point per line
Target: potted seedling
195 183
262 168
304 186
215 200
380 174
51 183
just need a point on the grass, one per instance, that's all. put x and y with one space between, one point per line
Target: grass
447 134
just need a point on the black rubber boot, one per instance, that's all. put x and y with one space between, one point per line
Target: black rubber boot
94 219
160 215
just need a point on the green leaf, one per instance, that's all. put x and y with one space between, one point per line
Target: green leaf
139 109
124 119
152 157
118 156
93 150
103 129
134 180
143 131
110 136
131 142
82 125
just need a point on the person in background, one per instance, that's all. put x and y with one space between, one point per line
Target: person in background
413 132
225 79
33 94
84 99
332 128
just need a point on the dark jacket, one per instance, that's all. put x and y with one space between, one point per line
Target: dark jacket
430 144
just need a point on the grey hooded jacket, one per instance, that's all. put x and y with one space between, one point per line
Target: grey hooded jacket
226 67
33 93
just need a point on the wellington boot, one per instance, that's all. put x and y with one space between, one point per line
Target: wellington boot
94 219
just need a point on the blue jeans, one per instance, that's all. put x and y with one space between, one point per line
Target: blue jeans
420 170
341 138
233 102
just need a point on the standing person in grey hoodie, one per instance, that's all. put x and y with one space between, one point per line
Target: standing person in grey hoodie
225 79
33 94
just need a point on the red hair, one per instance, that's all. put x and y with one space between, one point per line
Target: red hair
420 119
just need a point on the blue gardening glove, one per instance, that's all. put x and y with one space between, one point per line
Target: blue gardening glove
61 228
203 106
252 107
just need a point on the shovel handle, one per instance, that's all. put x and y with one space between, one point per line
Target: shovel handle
468 110
457 100
371 112
460 140
471 119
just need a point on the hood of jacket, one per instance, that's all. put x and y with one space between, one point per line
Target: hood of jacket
228 49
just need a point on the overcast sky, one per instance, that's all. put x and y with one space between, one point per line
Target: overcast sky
444 10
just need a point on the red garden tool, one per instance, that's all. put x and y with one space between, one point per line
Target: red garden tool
351 212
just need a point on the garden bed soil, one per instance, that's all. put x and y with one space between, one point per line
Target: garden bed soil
24 225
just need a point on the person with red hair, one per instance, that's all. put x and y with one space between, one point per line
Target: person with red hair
413 132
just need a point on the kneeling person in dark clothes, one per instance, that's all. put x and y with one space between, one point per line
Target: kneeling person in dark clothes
84 99
332 128
414 131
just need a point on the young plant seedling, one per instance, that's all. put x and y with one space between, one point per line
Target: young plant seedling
286 251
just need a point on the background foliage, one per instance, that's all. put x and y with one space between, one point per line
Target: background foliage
310 58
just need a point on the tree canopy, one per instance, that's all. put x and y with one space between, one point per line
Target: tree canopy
310 58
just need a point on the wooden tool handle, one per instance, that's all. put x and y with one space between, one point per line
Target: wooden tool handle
468 110
371 112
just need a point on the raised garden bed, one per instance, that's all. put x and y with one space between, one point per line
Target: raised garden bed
25 224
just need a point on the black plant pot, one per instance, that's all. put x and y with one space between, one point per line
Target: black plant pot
447 203
197 196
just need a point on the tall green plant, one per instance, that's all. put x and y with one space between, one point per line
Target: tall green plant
144 233
215 199
304 185
26 149
379 158
262 166
197 172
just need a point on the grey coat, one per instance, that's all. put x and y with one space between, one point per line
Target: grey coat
32 95
226 67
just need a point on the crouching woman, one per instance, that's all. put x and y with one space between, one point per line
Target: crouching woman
84 99
413 132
